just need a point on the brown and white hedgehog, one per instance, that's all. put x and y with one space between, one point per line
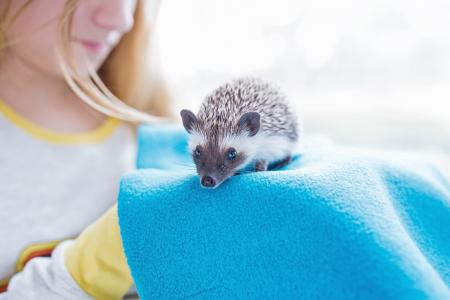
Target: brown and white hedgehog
241 122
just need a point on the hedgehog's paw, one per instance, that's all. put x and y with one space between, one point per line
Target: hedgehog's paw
281 163
261 165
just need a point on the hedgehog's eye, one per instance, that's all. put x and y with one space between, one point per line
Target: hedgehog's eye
197 152
231 154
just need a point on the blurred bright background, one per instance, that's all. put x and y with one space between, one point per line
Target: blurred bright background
365 73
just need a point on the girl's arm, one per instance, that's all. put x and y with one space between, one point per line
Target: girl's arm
92 266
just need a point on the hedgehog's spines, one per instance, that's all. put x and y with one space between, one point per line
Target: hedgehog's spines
223 107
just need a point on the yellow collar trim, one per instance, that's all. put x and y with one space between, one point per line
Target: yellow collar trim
100 133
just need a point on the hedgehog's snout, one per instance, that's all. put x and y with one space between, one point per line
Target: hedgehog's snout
208 181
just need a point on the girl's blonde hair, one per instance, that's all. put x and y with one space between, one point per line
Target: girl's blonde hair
128 73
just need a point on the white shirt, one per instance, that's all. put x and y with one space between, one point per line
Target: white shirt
54 185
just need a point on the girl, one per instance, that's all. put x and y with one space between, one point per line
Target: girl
63 146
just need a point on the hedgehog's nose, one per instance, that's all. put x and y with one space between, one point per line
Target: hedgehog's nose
208 181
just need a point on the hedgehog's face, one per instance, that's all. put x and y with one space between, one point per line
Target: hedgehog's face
217 157
215 164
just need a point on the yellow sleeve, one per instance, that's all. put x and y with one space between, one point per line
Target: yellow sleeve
97 261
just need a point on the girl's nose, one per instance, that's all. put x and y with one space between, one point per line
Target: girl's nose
115 15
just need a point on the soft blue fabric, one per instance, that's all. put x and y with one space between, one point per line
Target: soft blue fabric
338 223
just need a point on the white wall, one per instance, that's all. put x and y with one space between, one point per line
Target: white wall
370 73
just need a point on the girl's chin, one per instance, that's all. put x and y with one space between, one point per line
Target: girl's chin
94 64
94 58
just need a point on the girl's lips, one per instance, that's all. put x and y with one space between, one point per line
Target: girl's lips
95 47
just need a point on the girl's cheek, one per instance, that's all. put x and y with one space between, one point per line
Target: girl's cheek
37 31
34 47
36 27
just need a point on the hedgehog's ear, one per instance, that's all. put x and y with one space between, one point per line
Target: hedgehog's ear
250 122
189 119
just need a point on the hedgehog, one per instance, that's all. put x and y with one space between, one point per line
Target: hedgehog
246 122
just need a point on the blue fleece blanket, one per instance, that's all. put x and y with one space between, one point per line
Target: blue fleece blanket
337 223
